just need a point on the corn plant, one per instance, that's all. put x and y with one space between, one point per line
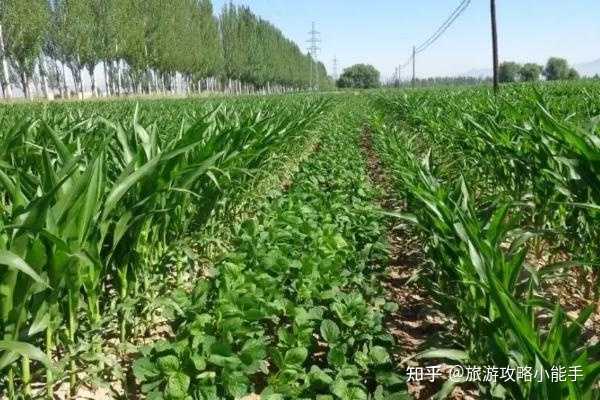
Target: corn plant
91 205
477 244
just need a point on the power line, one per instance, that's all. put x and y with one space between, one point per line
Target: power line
464 4
444 27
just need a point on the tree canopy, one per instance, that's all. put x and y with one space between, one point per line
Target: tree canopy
508 71
152 43
530 72
24 23
359 76
556 69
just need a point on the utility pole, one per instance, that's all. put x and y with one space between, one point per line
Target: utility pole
313 49
413 65
494 45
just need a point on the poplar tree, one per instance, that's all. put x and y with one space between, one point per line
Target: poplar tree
151 42
24 23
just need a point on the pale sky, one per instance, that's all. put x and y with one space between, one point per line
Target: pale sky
382 32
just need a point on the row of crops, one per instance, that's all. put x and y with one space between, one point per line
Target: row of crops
95 206
190 249
296 309
505 196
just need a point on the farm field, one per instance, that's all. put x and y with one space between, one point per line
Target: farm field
303 246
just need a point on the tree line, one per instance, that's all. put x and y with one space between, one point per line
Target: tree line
145 46
438 81
555 69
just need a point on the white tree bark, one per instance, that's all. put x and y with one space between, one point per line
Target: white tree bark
64 81
93 79
58 78
106 82
6 84
77 77
119 77
48 92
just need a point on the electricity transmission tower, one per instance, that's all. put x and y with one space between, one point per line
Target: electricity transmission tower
335 68
313 49
399 75
414 76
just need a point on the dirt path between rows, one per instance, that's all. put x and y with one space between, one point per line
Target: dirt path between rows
417 325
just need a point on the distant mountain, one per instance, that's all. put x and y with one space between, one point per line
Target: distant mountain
589 69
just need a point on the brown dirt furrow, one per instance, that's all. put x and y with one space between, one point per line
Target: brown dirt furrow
417 324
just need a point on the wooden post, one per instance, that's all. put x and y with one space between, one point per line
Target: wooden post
494 44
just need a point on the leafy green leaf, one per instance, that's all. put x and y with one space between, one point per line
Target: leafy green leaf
177 386
329 331
168 364
295 356
144 369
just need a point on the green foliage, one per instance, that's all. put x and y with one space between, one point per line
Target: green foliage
573 74
359 76
530 72
508 71
442 81
92 206
296 309
24 24
556 69
492 185
184 38
255 51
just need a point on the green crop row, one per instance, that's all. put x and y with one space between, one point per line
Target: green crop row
495 187
92 203
296 309
536 146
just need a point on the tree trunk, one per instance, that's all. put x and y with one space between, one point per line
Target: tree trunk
6 88
81 90
36 88
157 87
106 82
25 84
64 81
78 81
93 80
119 77
58 79
48 93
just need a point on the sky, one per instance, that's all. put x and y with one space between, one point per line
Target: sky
382 32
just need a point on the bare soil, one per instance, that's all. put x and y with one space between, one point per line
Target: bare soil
418 324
